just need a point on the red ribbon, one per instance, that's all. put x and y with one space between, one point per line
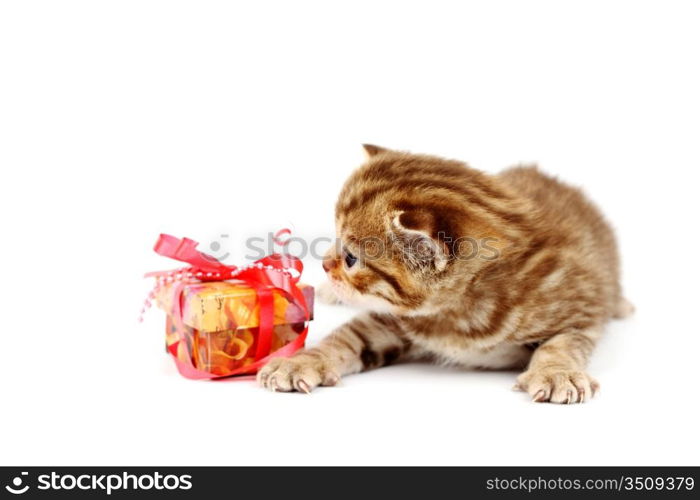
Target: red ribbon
279 272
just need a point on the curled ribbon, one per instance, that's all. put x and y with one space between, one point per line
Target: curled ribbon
279 272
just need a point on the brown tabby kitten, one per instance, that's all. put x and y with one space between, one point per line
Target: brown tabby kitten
512 270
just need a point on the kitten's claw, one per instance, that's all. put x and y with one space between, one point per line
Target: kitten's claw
538 397
303 387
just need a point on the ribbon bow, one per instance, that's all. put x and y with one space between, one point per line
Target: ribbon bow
279 272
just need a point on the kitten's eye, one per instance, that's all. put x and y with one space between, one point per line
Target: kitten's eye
350 259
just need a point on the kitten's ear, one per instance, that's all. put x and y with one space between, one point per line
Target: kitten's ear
415 231
372 150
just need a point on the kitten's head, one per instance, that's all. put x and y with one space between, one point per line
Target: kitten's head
404 223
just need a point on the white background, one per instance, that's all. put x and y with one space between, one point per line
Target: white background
121 120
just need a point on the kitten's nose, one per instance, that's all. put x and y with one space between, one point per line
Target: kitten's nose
329 263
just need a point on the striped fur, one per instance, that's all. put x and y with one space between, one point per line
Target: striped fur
512 270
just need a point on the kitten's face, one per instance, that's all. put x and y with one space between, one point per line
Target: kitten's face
393 226
366 271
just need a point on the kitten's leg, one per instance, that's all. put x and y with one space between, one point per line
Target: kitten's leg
366 342
556 370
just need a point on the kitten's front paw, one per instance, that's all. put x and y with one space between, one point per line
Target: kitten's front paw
557 386
302 373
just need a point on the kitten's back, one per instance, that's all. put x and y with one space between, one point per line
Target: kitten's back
567 209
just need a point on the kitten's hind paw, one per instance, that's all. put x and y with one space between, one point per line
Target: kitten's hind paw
558 386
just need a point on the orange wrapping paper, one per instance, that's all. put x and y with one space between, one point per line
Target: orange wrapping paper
220 321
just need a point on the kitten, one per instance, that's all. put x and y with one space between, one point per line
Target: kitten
515 270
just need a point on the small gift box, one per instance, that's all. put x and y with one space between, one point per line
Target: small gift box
220 324
223 320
